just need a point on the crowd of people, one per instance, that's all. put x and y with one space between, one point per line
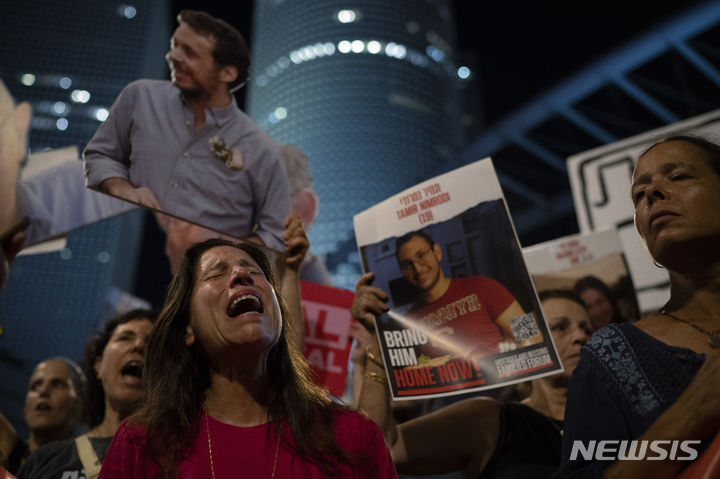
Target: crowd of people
216 382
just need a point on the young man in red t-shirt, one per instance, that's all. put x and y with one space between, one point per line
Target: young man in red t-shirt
468 316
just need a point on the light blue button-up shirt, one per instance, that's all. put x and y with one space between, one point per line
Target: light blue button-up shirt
148 139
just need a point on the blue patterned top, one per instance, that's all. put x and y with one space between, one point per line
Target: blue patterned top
625 379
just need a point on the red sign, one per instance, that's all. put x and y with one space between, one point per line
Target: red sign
327 333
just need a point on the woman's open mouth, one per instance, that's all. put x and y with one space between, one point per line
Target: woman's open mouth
244 303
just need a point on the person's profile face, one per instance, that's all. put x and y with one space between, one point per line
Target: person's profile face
52 399
570 327
598 307
676 194
420 263
233 304
192 66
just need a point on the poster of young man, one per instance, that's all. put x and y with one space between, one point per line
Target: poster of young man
594 267
463 312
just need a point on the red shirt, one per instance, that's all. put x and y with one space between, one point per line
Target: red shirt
246 452
464 317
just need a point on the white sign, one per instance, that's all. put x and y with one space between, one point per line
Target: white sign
601 179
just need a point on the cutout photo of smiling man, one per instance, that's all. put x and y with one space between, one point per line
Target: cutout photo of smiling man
183 147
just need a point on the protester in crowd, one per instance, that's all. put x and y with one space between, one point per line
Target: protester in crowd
228 391
599 301
113 365
181 235
52 409
480 436
184 146
52 403
657 379
401 410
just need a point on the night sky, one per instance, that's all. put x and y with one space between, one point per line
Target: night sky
522 48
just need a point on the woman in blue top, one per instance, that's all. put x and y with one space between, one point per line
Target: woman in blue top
657 379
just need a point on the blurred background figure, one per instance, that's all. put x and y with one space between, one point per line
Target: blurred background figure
52 404
52 409
305 203
599 300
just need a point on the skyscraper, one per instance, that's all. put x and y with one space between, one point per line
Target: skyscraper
368 90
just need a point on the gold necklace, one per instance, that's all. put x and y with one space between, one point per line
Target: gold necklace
713 337
212 465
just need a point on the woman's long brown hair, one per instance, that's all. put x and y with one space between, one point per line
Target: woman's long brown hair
175 370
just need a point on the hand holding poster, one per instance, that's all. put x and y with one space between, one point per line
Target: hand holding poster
463 312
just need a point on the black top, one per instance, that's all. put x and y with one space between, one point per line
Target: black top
624 381
52 460
528 445
19 453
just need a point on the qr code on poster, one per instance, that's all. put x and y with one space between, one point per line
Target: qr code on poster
524 327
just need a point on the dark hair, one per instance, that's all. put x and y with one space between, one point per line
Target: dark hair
174 370
711 150
230 47
546 294
93 393
412 234
75 372
592 282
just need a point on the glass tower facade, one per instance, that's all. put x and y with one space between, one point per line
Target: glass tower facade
70 60
368 89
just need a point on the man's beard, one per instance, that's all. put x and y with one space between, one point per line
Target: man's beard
196 93
433 281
